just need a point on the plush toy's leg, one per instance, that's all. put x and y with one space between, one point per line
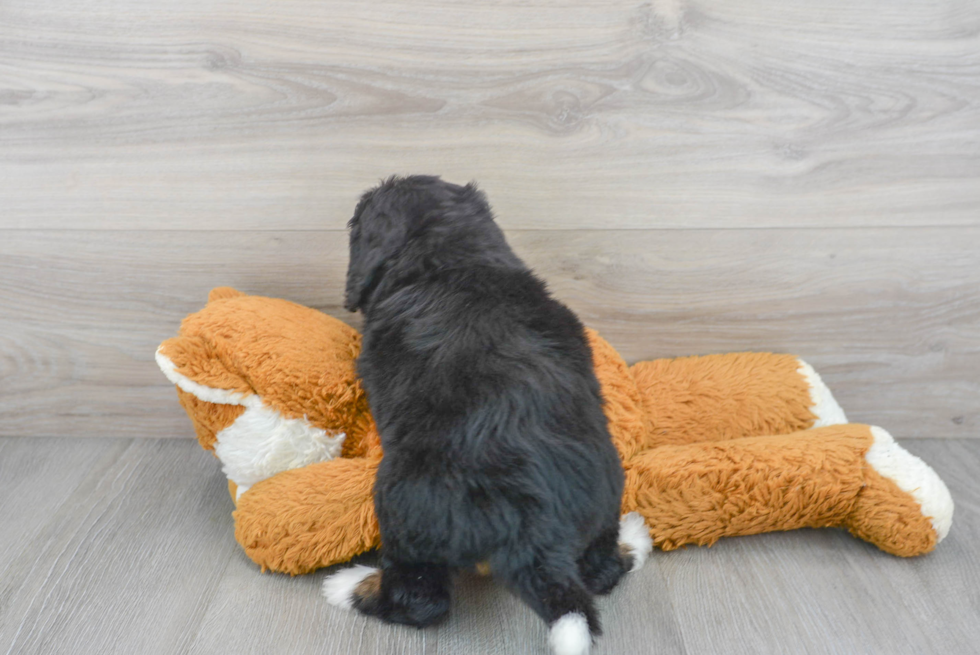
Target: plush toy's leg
850 476
901 500
718 397
304 519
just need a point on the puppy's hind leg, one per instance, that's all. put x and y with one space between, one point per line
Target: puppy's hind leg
603 563
621 548
412 594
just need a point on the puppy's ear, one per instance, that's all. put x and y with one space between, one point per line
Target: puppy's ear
475 202
376 235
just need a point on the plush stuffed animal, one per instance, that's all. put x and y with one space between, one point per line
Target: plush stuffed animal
713 446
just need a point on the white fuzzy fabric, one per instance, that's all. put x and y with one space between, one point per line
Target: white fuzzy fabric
339 587
915 477
824 406
634 533
570 635
261 442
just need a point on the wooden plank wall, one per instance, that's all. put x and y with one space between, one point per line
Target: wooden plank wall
690 177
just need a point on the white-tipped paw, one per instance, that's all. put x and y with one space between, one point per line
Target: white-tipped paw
570 635
824 406
339 587
633 533
913 476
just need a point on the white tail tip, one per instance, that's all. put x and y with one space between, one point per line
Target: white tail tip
570 635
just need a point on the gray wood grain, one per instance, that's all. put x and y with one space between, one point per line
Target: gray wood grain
35 480
127 547
891 318
128 562
668 114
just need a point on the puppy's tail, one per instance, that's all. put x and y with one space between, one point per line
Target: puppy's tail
635 544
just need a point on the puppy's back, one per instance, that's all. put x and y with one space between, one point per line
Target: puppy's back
480 377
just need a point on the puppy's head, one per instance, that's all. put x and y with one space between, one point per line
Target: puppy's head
402 211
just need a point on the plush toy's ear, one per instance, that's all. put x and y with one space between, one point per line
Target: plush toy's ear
221 293
377 231
211 394
191 363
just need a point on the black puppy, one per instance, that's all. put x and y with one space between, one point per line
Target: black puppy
496 447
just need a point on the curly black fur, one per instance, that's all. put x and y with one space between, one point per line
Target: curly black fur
496 446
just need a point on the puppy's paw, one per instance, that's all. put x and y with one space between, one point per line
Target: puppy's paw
634 539
357 582
570 635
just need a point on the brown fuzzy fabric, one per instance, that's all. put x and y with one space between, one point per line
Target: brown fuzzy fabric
712 446
890 518
208 418
698 493
629 423
311 517
300 361
718 397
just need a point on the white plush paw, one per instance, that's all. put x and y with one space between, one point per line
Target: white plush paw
339 587
570 635
824 406
634 533
913 476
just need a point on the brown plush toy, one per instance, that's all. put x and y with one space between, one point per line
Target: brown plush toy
713 446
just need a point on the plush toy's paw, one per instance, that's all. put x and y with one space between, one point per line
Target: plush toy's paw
342 587
914 477
904 507
634 539
825 408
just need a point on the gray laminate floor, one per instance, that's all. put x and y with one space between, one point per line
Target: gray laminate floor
126 546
